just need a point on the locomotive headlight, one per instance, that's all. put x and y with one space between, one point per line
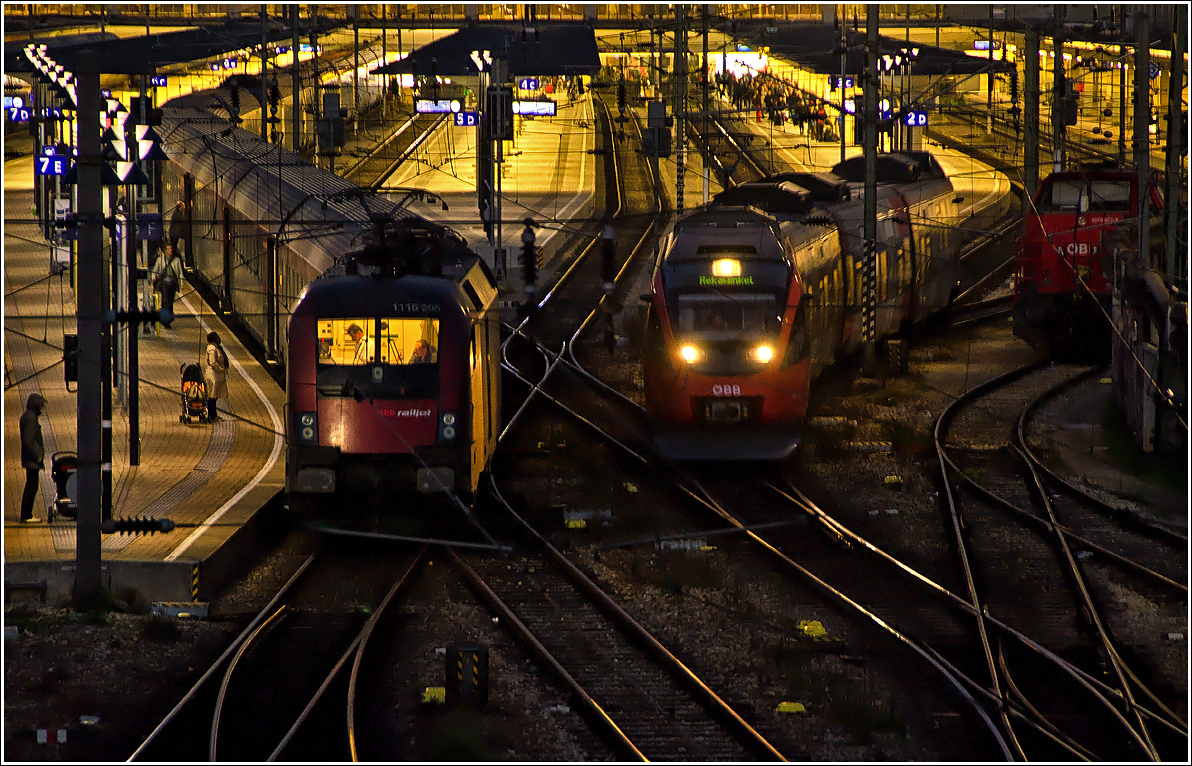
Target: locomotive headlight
690 354
308 427
726 267
447 426
763 353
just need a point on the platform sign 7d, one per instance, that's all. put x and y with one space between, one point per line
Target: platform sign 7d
465 119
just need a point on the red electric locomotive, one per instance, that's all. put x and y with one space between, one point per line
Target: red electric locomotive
1063 274
760 291
393 375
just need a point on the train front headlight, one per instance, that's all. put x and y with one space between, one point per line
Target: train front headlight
690 354
308 427
447 426
763 353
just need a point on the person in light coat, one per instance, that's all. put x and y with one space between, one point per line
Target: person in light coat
215 374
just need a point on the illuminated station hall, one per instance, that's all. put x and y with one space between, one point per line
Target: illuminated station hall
595 382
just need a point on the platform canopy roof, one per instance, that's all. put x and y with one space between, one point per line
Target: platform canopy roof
148 53
817 47
547 49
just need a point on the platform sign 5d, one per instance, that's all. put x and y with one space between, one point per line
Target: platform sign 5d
465 119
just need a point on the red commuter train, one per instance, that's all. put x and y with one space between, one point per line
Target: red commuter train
393 381
759 291
1063 275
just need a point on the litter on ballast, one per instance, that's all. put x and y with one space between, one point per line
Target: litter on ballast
791 707
434 695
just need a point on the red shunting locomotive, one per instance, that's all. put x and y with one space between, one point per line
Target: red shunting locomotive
1064 266
393 375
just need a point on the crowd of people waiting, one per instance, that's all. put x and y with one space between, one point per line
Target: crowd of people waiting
780 102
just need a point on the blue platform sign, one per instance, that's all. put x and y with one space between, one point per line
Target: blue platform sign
916 119
19 113
157 81
149 226
465 119
836 81
1153 70
528 83
51 164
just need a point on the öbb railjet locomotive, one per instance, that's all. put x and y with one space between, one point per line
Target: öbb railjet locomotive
393 376
1063 262
760 290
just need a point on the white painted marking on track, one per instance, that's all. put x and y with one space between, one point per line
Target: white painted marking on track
273 456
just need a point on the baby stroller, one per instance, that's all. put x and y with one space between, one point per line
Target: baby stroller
194 394
64 468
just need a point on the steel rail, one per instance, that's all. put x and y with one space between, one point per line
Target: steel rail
261 630
509 619
1116 512
263 615
726 713
946 463
365 635
925 652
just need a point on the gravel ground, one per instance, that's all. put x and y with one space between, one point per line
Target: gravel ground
735 625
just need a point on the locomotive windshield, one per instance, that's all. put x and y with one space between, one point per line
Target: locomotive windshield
1077 195
724 316
378 357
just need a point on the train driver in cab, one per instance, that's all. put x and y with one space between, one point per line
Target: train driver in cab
362 355
421 353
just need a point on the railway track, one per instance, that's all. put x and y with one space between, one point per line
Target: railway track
266 696
1047 590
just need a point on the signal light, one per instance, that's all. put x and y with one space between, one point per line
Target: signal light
70 357
529 257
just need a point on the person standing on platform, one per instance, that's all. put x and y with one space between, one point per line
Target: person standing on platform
33 454
215 374
177 228
168 275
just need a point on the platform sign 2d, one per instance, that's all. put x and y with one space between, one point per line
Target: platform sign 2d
528 83
915 119
465 119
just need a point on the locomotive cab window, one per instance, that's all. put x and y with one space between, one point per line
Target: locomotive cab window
378 357
1109 195
725 316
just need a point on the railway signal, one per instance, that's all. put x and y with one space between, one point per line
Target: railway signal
529 257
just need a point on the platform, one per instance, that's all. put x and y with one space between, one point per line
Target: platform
210 479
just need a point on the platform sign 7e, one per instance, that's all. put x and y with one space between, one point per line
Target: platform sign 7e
51 164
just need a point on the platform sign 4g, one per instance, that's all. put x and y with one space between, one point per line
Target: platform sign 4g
50 163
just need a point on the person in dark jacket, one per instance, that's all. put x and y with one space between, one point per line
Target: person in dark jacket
33 453
176 234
